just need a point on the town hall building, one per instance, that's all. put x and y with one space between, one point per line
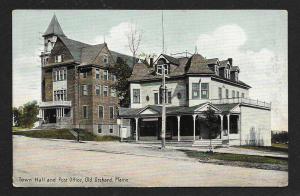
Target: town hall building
194 84
77 84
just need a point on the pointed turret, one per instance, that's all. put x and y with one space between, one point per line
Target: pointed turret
54 28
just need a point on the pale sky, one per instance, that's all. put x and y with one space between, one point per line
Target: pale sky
256 40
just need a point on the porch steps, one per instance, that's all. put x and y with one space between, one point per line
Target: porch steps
206 143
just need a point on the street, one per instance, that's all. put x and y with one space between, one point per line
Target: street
61 163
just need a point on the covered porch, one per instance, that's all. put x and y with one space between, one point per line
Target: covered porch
182 123
56 113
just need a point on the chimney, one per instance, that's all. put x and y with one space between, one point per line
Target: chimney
230 61
151 61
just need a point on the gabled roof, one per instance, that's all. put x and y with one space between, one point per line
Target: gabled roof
197 64
171 59
128 59
74 47
89 54
54 28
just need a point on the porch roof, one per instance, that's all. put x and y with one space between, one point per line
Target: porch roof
173 110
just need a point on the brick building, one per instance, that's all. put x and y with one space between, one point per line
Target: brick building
77 83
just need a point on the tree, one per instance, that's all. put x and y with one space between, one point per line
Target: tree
211 121
122 71
16 117
147 57
28 114
134 38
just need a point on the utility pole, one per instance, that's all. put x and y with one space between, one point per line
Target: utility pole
163 111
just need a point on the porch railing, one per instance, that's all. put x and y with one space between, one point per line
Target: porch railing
242 100
55 103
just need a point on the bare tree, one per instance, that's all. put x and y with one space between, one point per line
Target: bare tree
134 39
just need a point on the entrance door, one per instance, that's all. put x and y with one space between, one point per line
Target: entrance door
149 127
50 115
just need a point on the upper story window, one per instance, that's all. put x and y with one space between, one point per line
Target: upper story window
156 98
204 90
60 95
85 89
85 111
112 92
105 74
113 77
169 97
237 94
59 74
227 73
105 91
195 90
233 94
227 93
216 70
105 58
236 76
97 89
220 93
243 95
97 72
160 68
136 95
100 111
111 112
58 58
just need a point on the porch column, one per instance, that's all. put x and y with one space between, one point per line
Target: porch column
178 128
228 125
221 128
63 112
121 133
43 116
57 113
136 129
194 122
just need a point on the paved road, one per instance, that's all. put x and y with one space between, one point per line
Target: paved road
46 162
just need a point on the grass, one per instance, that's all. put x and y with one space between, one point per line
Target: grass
275 147
234 157
19 129
64 134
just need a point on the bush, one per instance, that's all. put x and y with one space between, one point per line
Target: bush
280 137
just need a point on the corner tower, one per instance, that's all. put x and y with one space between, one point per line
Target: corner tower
50 37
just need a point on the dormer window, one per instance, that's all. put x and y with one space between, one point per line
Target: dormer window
227 73
105 59
160 68
236 76
216 70
58 58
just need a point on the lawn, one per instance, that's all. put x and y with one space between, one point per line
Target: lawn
64 134
19 129
235 157
275 147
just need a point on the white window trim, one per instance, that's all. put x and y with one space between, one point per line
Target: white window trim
105 74
105 87
83 89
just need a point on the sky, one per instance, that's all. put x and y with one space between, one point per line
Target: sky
255 39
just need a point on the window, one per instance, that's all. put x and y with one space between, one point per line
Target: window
85 111
105 59
111 112
243 95
61 74
156 98
236 76
113 77
136 95
65 74
195 90
204 90
160 67
227 93
97 74
85 89
97 88
99 128
105 91
216 70
58 58
100 111
105 74
220 93
233 94
60 95
169 97
237 94
111 128
112 92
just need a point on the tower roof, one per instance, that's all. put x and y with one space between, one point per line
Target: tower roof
54 28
